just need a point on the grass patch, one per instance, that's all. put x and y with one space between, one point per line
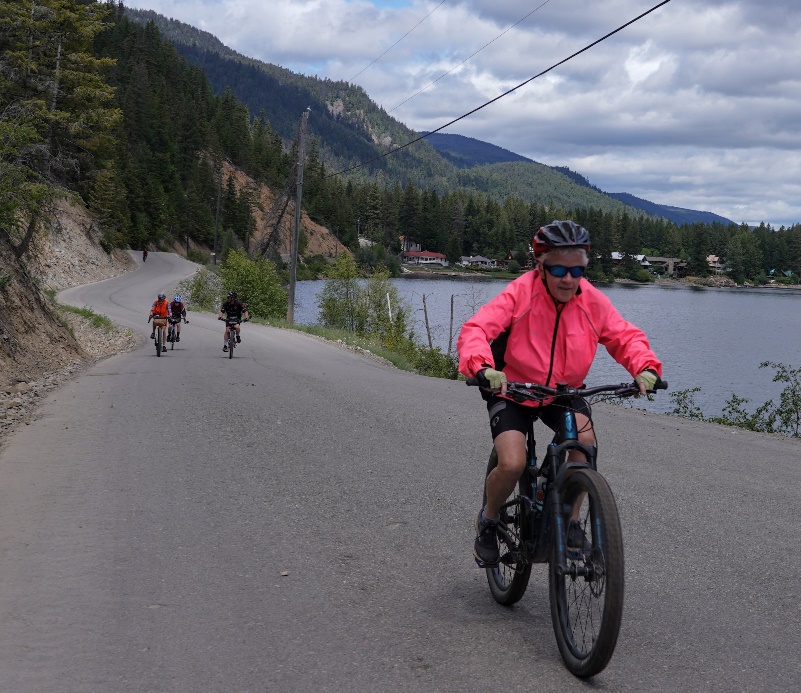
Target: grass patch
334 335
96 319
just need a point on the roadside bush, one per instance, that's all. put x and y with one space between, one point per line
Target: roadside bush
256 282
202 290
373 309
198 256
784 418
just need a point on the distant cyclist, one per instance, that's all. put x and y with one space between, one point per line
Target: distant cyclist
160 310
177 311
232 308
144 255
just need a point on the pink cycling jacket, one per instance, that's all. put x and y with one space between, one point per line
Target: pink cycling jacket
550 343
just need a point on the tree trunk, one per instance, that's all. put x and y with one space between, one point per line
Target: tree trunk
19 250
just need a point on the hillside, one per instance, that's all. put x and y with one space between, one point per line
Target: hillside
40 345
467 152
352 130
678 215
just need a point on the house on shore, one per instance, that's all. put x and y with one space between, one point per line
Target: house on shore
423 257
477 261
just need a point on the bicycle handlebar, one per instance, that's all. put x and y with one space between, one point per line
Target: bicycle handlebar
535 391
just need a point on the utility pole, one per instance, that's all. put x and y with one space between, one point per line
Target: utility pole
217 213
293 266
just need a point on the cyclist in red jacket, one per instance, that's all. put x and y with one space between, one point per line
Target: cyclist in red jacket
159 313
544 328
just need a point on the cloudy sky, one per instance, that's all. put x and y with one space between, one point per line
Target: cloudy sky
697 105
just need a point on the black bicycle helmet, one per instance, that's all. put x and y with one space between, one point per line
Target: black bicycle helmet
233 294
560 234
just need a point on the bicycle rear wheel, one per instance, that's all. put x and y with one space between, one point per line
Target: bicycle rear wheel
509 579
587 600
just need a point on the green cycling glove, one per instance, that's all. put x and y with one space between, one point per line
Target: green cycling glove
495 379
647 379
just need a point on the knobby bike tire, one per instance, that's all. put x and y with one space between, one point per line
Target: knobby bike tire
231 343
509 579
172 338
158 342
586 610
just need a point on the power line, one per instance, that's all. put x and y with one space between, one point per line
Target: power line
506 93
445 74
398 41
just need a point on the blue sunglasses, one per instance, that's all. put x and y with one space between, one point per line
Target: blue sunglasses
560 271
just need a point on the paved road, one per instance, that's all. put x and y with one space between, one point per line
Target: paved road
299 518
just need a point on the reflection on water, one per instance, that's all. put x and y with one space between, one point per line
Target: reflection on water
708 337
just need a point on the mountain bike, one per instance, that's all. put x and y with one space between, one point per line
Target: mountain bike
158 323
586 580
230 323
172 332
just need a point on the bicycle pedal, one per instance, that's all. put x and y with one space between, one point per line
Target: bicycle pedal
482 564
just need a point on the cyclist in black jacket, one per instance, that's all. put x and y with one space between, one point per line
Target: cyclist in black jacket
232 308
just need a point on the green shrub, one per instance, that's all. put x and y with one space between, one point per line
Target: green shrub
198 256
642 275
374 310
256 282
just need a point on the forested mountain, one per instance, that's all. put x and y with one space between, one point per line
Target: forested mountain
106 111
678 215
354 132
467 152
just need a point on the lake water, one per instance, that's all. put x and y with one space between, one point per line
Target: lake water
711 338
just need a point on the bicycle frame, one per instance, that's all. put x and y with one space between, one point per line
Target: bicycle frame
537 524
230 324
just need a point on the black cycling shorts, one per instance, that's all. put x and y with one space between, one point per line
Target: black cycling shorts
506 415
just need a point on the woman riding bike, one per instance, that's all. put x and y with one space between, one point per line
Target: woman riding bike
543 328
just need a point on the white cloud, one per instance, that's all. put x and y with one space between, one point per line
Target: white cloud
695 105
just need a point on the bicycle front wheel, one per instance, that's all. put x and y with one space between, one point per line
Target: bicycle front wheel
158 342
587 597
508 580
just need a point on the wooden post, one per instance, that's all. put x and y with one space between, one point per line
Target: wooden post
450 329
428 328
293 266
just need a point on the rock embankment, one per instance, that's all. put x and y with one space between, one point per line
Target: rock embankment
41 345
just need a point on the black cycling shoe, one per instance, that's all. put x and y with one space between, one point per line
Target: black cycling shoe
152 335
576 538
225 348
163 348
238 339
178 338
485 549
